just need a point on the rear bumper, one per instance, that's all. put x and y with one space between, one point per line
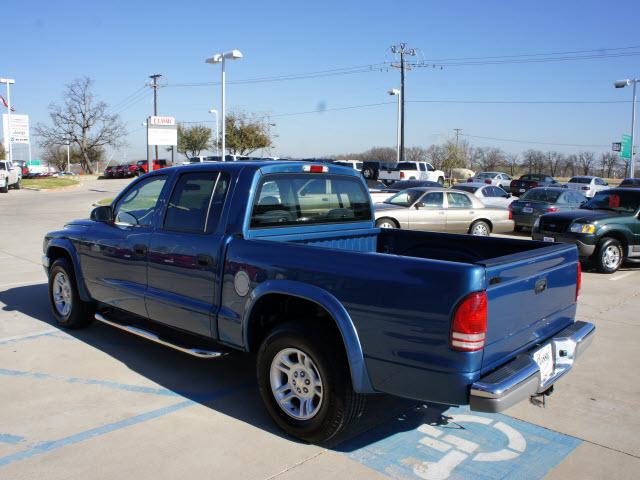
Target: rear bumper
520 378
584 249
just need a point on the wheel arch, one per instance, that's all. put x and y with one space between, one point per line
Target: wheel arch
619 235
276 293
482 219
63 248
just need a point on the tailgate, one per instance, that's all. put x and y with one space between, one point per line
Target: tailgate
530 298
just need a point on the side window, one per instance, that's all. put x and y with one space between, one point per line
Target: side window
423 167
458 200
196 202
432 200
487 192
140 202
599 181
430 168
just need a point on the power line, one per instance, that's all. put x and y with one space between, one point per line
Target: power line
572 52
518 102
534 142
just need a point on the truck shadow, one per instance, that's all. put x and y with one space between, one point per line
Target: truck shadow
225 385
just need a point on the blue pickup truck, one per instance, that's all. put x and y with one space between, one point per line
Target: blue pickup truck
282 259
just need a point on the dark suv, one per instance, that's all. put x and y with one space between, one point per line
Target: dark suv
606 229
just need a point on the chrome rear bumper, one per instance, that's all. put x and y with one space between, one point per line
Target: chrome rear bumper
520 378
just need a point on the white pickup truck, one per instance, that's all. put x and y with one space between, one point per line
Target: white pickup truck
10 176
411 171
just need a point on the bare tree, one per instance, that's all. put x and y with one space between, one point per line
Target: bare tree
609 162
84 122
490 158
512 161
415 154
554 161
436 156
585 161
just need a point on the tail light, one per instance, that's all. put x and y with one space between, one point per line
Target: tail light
551 209
487 181
513 183
510 208
578 280
315 168
469 326
401 175
534 184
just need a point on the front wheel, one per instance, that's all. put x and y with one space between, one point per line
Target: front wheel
69 310
5 187
386 223
480 228
609 255
18 184
305 385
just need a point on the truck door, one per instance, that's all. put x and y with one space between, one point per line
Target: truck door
114 257
184 254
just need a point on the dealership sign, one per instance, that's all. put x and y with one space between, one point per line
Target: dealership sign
162 131
19 128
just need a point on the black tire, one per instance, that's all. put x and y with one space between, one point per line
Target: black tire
480 225
517 228
81 313
368 173
340 405
5 187
18 184
386 220
605 255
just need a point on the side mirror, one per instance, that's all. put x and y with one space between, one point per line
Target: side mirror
103 213
418 205
508 195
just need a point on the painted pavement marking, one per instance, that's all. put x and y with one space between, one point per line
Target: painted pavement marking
15 338
460 444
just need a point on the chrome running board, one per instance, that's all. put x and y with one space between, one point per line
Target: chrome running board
196 352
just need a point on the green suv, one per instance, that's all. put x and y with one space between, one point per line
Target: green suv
606 229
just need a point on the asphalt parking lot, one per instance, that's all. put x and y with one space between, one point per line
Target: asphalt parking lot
97 403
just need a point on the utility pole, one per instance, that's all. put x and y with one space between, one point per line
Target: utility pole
402 50
457 130
155 87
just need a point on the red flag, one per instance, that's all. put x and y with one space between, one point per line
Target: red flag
6 104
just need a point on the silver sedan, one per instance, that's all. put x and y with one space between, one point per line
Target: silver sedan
441 210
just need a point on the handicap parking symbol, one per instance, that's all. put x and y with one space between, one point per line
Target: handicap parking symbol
460 444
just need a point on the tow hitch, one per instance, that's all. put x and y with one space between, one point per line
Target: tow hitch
539 400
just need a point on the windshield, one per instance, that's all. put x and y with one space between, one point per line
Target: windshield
3 166
486 175
405 198
617 201
465 188
580 180
541 195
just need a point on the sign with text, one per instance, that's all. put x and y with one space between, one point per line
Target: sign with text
625 151
19 128
162 131
616 146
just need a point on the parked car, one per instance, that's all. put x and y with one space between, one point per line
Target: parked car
541 200
371 169
230 254
10 176
380 195
497 179
586 185
142 166
109 171
355 164
488 194
411 171
606 229
442 210
22 165
529 181
630 182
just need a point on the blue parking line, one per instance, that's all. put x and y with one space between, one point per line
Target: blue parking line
91 381
12 439
44 447
460 444
28 337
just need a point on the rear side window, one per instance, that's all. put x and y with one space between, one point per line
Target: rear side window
302 199
407 166
196 202
423 167
580 180
458 200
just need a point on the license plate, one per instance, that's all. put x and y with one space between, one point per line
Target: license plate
527 210
544 359
548 239
522 190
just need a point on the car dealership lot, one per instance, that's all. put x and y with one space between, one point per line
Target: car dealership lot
97 403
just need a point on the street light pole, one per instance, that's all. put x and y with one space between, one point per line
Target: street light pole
220 58
68 157
8 82
622 84
398 93
213 110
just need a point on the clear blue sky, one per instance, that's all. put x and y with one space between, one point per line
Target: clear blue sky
47 44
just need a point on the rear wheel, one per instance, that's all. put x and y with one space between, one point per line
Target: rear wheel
368 173
609 255
304 381
517 228
480 228
18 184
66 305
386 223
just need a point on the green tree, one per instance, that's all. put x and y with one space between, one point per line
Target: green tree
246 134
193 140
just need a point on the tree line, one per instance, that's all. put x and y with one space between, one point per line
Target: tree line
448 155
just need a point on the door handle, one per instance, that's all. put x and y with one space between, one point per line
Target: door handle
140 249
204 260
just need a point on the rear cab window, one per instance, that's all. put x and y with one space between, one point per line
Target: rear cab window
291 199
